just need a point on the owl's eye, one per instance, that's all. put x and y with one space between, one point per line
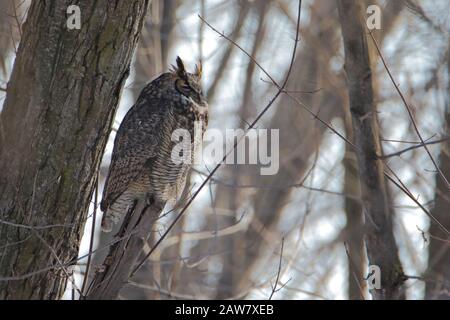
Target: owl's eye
183 87
188 90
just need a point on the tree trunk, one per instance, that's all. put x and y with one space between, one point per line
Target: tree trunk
57 116
354 231
439 256
380 242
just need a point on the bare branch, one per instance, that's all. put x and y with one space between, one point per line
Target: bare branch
398 153
274 287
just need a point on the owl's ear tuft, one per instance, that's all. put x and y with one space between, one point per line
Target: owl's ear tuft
180 70
198 70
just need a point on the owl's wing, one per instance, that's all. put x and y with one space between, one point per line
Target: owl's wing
136 143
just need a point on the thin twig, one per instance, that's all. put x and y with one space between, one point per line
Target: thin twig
408 109
408 193
17 19
91 243
18 225
274 287
244 51
301 184
394 154
407 141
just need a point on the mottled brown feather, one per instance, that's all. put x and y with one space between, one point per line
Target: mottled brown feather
140 162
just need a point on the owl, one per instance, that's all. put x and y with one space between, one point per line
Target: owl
142 166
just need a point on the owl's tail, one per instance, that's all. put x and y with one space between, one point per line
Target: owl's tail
113 214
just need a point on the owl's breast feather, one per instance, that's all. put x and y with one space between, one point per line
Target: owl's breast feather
167 178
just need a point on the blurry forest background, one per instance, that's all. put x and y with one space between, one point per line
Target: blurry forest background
300 230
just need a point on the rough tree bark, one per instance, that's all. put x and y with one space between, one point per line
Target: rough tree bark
380 242
56 119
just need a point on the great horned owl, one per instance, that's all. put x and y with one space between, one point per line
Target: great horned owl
141 164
